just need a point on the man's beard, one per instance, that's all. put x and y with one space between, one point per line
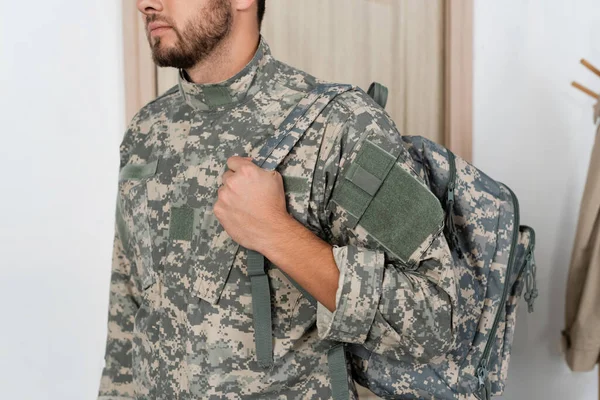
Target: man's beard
197 40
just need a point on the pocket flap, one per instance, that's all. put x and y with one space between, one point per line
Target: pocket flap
148 279
210 276
389 203
362 179
138 171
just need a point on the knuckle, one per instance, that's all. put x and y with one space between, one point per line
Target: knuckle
247 170
228 184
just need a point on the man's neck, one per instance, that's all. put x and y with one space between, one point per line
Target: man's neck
227 59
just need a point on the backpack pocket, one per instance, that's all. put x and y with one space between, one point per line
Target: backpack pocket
523 277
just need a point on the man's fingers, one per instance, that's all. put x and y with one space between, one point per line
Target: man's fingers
235 162
226 175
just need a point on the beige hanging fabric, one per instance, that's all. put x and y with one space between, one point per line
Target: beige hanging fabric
581 336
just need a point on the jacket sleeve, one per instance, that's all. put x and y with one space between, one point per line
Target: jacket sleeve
396 292
124 299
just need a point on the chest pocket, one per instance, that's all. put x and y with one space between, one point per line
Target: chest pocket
133 215
200 253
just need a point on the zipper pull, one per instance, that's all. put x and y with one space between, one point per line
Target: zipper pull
453 236
482 375
450 208
450 198
530 280
485 386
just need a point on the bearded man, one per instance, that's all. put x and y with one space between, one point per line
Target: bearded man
192 314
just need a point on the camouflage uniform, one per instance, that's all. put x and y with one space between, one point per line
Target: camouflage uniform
180 318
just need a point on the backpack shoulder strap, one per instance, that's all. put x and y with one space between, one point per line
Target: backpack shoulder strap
297 122
270 156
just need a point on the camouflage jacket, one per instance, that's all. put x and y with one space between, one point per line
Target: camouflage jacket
180 314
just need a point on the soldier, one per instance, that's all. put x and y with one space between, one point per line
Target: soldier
335 219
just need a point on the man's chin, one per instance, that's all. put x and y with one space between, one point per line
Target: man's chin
161 44
161 53
162 61
171 59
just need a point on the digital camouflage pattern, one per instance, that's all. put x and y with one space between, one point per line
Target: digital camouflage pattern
486 220
180 316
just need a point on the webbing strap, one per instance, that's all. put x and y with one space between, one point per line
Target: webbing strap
379 93
261 309
296 123
270 156
338 374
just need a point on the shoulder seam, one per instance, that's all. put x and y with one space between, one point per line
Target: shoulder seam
166 94
389 121
351 113
170 92
350 109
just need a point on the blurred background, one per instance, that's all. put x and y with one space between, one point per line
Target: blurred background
490 79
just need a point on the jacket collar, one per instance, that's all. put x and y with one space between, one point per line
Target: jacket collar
225 94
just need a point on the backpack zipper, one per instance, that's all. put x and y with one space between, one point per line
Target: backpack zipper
530 266
482 372
451 229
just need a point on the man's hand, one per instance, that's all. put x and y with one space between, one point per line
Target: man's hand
251 207
251 204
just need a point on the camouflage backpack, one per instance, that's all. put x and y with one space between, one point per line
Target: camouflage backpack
492 252
494 255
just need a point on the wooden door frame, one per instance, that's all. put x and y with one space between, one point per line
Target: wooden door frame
141 76
140 70
458 91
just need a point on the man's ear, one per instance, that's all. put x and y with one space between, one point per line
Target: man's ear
243 5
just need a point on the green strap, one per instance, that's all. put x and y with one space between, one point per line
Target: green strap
379 93
338 373
261 309
363 178
283 141
261 306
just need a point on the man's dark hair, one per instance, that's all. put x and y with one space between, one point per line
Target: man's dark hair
261 11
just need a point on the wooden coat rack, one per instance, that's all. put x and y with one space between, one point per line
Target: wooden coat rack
585 90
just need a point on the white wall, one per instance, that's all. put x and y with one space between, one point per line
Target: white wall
61 113
534 132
